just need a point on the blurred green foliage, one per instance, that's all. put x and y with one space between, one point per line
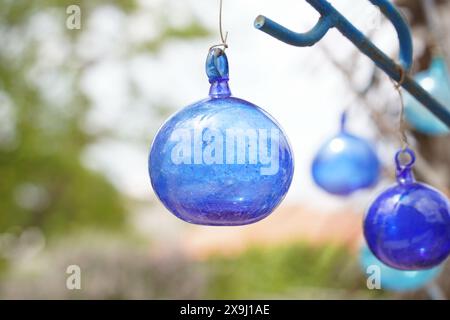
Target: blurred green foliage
191 31
42 180
283 271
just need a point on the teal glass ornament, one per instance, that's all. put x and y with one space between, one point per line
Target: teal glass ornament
393 279
221 161
345 163
436 81
407 227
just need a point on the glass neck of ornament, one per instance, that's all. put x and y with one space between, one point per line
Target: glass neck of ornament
220 89
405 176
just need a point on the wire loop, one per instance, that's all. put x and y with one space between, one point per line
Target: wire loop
402 163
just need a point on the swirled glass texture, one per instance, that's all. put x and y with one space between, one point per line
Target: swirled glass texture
407 227
222 161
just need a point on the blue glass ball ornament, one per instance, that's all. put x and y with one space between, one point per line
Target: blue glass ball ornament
436 81
221 161
345 163
407 227
394 279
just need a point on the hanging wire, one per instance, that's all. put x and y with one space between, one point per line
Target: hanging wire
402 123
223 38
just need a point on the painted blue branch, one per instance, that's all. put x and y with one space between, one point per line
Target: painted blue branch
306 39
331 18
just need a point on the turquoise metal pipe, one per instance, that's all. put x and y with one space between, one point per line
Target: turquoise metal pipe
331 18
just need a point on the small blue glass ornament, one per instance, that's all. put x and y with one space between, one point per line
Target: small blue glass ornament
345 163
221 161
407 227
394 279
436 81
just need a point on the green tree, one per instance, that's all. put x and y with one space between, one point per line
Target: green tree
42 180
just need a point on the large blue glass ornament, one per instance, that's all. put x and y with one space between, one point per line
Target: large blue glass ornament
436 81
345 163
221 161
407 227
394 279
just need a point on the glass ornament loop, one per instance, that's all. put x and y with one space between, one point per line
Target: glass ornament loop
217 65
404 171
217 71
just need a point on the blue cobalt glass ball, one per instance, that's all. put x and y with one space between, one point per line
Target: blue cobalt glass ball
436 81
221 161
407 227
396 280
345 163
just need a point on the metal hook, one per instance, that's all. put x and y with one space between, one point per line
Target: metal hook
307 39
331 18
224 44
224 39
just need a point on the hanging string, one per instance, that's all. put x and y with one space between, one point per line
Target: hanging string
402 123
223 38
